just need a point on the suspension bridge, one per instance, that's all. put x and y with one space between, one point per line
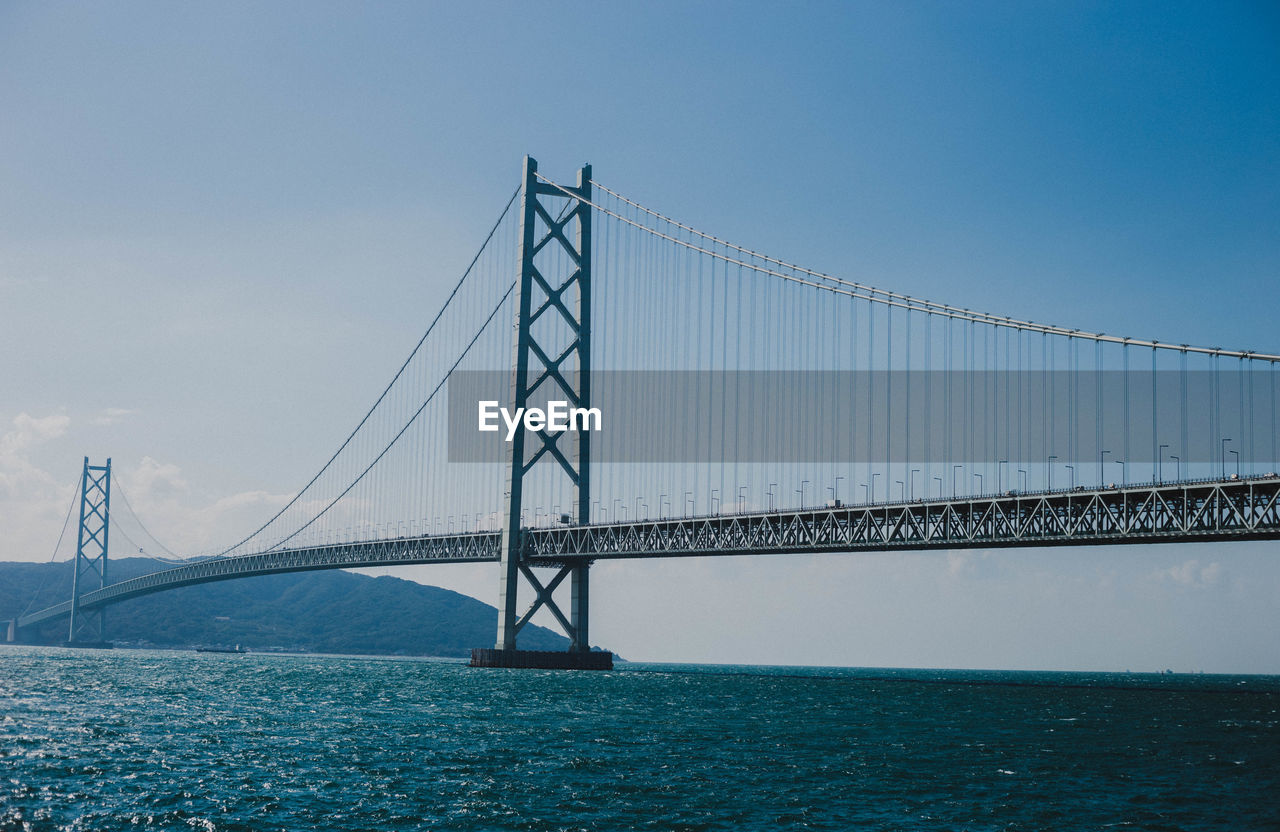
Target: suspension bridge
740 393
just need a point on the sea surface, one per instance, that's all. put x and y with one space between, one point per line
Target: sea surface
139 740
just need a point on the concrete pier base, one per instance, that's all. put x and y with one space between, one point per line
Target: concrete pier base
89 645
541 659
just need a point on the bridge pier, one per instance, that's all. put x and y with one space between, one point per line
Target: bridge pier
541 659
11 632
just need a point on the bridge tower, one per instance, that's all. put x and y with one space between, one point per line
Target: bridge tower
552 359
89 627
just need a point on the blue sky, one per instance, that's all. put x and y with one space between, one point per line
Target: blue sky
223 225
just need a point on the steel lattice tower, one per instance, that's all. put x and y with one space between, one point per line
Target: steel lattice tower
90 626
561 348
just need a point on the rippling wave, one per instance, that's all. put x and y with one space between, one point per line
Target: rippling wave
142 740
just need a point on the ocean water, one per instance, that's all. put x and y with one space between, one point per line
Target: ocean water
144 740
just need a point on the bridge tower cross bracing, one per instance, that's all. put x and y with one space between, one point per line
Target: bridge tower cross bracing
552 348
90 626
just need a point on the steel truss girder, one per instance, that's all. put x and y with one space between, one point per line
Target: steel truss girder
1185 513
1227 510
473 547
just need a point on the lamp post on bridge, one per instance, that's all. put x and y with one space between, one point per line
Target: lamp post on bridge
902 491
688 500
939 481
1224 456
835 491
1023 472
1177 461
1072 469
713 500
1000 475
742 499
873 486
772 486
1236 454
954 490
981 486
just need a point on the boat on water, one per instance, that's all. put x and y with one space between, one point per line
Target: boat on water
236 649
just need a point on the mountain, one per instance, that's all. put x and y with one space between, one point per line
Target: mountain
328 611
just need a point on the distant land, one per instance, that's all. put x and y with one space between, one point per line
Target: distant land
328 611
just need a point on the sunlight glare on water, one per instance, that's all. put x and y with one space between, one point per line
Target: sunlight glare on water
170 740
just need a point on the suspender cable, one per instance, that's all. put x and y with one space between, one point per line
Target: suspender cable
1155 408
1182 432
448 300
1097 408
1124 467
886 297
412 419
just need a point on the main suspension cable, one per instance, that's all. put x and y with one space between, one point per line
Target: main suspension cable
882 296
45 577
120 488
391 384
407 424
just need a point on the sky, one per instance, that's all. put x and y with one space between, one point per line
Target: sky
222 227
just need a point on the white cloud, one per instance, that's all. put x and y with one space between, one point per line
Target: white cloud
20 479
972 563
958 563
29 431
1193 575
153 480
184 520
111 415
32 501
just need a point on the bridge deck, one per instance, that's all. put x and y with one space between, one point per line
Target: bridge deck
1172 513
455 548
1154 513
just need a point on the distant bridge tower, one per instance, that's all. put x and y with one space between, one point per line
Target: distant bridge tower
552 358
89 627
